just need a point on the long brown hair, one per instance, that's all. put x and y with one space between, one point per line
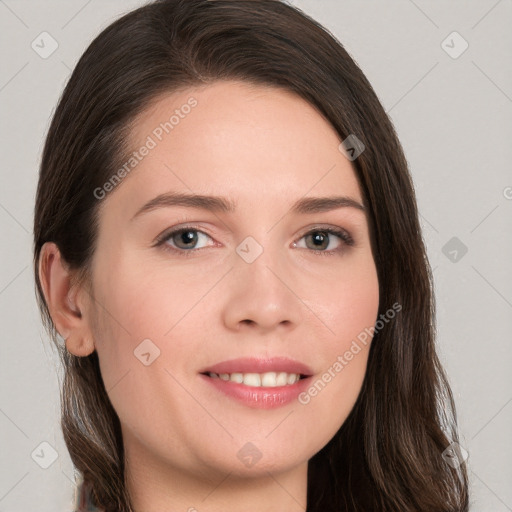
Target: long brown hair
387 456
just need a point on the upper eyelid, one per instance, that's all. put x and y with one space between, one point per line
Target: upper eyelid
172 231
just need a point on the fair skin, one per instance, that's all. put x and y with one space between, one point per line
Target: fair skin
264 149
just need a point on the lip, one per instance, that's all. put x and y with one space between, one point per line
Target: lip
259 397
260 365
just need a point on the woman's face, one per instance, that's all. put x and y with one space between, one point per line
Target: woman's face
262 281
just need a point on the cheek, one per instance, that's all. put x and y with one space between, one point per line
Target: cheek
139 303
358 303
140 318
349 310
347 302
141 366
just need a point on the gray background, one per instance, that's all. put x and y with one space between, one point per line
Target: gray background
453 117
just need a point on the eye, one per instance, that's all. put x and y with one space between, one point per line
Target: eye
184 239
321 240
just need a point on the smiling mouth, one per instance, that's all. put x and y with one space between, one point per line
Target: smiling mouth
265 380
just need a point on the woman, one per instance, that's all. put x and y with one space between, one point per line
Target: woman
227 239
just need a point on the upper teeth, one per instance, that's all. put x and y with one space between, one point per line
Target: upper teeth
269 379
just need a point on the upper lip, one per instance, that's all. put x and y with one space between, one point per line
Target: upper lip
259 365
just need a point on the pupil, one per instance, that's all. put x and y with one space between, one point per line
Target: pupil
320 237
187 237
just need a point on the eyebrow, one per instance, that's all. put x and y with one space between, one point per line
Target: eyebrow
219 204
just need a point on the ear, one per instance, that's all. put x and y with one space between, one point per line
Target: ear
67 304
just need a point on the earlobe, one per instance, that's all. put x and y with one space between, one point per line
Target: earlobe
69 320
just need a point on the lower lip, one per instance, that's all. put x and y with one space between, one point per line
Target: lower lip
259 397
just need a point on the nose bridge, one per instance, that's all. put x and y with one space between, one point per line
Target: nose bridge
258 264
259 290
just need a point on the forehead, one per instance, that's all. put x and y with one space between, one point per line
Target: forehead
239 140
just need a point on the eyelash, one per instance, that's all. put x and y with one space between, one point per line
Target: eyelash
162 239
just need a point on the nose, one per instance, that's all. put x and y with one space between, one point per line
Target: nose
260 295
